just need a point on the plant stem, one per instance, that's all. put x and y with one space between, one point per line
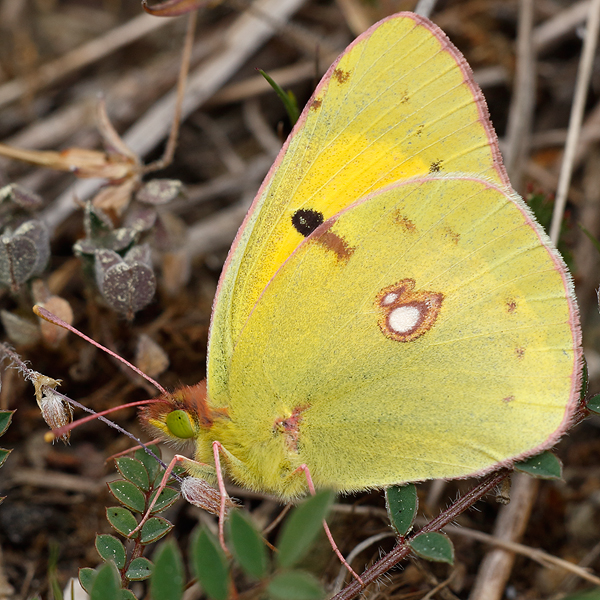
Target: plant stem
403 549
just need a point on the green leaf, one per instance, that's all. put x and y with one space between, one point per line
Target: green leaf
593 404
168 497
543 466
433 546
106 584
52 572
139 569
121 519
167 580
133 470
5 419
86 578
591 237
154 529
247 545
302 527
128 495
288 99
150 463
592 594
210 564
401 502
127 595
4 454
110 549
295 585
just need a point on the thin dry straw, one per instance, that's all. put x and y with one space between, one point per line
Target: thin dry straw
581 88
425 7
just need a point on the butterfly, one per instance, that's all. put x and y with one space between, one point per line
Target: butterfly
390 310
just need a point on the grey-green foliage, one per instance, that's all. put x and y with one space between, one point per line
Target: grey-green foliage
5 420
24 253
24 240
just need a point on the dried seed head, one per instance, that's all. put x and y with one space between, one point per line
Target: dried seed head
56 412
199 493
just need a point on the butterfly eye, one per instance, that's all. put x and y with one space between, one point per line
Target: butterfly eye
180 424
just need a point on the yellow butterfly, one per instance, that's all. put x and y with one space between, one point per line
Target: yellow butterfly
390 311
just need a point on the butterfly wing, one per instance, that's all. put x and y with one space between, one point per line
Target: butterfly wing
427 331
399 102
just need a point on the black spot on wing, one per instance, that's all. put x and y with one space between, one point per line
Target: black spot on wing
306 220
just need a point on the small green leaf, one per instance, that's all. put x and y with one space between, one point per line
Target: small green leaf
401 502
86 578
288 98
4 454
121 519
433 546
110 549
593 404
133 470
154 529
5 419
127 595
210 564
247 545
167 579
591 237
151 464
592 594
139 569
106 584
302 527
543 466
167 498
128 495
295 585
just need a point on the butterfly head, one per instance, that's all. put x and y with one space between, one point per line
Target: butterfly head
180 416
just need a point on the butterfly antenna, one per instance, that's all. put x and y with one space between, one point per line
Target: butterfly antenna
59 432
132 449
51 435
51 318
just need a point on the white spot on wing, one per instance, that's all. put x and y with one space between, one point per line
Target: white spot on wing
390 298
403 318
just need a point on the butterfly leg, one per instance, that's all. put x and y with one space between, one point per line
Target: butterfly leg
195 488
217 448
311 488
163 484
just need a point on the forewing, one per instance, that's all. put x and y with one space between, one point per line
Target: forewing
399 102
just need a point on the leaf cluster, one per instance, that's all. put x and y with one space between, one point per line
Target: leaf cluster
135 492
5 420
273 576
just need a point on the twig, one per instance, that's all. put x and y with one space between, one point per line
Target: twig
339 580
512 520
167 157
240 41
425 7
402 549
581 88
539 556
522 104
80 57
553 30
